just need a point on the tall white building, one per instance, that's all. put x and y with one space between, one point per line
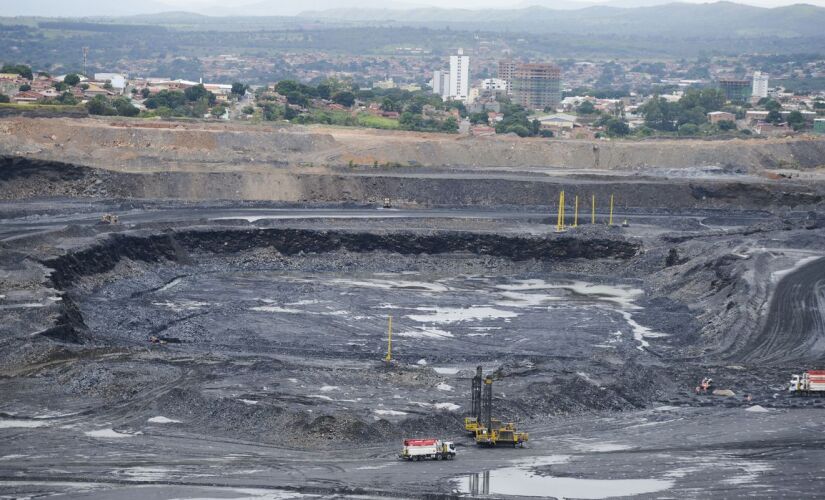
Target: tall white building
441 83
459 76
760 84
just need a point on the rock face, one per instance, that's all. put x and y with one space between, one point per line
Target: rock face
163 146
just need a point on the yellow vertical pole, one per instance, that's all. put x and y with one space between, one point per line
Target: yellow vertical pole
593 209
388 358
558 215
576 213
611 210
560 220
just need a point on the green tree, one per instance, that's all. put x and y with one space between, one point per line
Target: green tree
660 114
124 107
616 127
4 98
67 98
388 104
480 117
726 125
71 79
25 87
774 116
773 105
289 113
297 98
586 108
688 129
450 125
239 89
344 98
195 93
97 105
796 120
218 111
145 92
18 69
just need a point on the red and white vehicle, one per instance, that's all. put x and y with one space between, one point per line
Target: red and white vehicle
812 381
427 449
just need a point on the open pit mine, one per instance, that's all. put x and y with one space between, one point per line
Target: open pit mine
215 311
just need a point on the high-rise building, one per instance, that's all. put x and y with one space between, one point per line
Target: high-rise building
459 76
736 90
441 83
760 84
536 86
506 68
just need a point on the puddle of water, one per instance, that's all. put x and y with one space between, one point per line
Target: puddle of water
446 370
458 314
520 482
390 284
162 420
425 333
393 413
13 424
107 433
183 305
600 447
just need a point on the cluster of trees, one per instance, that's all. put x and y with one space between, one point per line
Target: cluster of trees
413 121
515 120
299 94
194 101
100 105
18 69
687 116
410 105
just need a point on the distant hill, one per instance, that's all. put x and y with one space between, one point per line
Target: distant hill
677 19
78 8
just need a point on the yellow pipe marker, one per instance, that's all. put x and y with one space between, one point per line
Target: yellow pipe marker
388 358
611 211
576 216
593 209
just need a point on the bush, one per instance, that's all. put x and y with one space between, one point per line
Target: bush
688 129
18 69
726 125
125 108
97 105
25 87
4 98
71 79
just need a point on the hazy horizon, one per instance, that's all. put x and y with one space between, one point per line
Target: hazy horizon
82 8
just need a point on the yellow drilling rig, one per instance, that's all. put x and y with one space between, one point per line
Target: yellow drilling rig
486 430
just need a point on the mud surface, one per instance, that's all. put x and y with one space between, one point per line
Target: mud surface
266 378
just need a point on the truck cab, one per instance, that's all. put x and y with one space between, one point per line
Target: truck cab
795 384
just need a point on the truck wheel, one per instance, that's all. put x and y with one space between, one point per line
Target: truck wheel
450 456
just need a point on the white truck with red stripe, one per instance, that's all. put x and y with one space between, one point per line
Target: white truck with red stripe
427 449
812 381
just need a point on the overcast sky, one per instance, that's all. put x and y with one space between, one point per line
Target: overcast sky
75 8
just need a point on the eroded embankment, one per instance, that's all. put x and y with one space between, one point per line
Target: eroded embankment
176 247
119 144
24 178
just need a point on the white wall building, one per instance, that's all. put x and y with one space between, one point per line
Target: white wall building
117 80
441 83
459 76
494 84
760 84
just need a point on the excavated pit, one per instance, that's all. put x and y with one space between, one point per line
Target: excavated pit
270 322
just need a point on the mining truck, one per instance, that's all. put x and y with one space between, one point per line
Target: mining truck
427 449
812 381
